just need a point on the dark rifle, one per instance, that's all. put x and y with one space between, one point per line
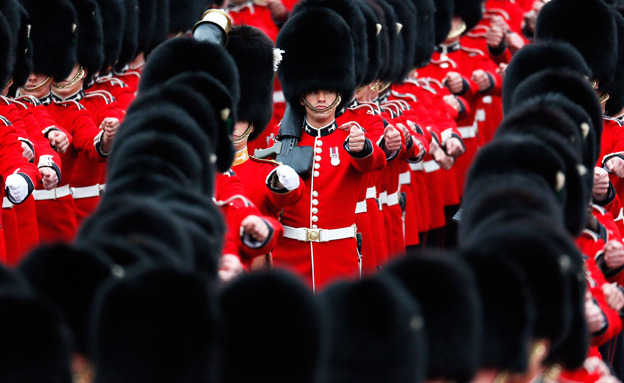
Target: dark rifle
285 147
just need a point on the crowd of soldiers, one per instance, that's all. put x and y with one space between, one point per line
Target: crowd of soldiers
312 191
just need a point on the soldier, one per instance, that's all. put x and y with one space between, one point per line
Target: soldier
321 226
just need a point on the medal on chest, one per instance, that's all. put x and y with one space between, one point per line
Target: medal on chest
335 157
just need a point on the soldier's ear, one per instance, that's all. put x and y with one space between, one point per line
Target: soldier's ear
301 100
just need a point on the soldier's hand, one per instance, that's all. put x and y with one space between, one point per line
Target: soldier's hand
593 315
452 101
392 138
454 147
49 178
601 184
494 36
27 152
58 140
502 68
256 227
357 139
482 79
613 296
614 254
454 82
594 363
277 9
287 177
608 379
110 126
230 267
499 22
16 187
515 42
616 166
407 134
446 162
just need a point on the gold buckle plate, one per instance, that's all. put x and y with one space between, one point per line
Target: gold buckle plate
313 235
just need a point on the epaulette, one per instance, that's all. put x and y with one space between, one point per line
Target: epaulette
438 83
364 106
265 161
404 95
113 80
70 103
5 100
590 233
497 11
19 104
229 173
444 60
473 51
100 94
600 209
5 121
478 31
29 99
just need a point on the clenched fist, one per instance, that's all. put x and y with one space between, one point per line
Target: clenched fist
454 82
49 178
357 138
601 184
482 79
616 166
58 140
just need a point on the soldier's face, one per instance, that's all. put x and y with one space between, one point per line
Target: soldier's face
34 80
321 99
72 89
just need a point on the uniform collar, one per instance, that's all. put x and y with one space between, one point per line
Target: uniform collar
320 132
74 97
446 49
241 157
46 100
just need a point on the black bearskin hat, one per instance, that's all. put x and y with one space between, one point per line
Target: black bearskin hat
470 11
155 325
113 23
253 52
352 15
330 66
589 25
90 36
446 290
536 57
130 38
183 14
53 36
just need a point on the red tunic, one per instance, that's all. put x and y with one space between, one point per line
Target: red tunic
255 15
235 207
329 203
119 89
57 218
91 172
12 161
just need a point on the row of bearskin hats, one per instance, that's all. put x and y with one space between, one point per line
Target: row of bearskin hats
133 295
528 191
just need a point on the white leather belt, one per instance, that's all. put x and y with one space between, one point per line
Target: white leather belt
371 192
383 198
360 207
41 195
467 131
319 235
431 166
88 191
405 178
6 204
393 199
417 167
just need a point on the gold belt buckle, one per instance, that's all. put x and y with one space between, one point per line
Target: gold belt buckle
313 235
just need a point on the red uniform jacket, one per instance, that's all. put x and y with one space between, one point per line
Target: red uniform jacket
329 202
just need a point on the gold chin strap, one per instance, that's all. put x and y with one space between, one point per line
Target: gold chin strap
604 98
552 374
79 76
360 89
245 134
457 31
323 111
37 87
538 350
375 87
384 86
